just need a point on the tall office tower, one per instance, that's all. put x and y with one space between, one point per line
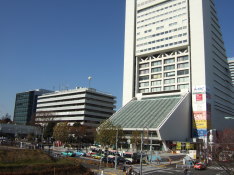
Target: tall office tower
84 105
231 68
25 105
175 46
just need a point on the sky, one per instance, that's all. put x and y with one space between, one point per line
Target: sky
58 44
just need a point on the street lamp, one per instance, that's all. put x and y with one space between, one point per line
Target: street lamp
89 78
141 153
116 145
211 141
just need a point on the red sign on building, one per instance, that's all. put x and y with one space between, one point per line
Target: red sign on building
198 97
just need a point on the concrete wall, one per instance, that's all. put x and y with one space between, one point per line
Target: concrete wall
178 126
129 49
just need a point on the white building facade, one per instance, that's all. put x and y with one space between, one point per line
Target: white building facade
84 105
174 46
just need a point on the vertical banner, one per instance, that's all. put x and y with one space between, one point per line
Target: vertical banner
201 110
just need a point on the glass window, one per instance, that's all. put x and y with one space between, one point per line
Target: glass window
157 89
156 76
170 67
183 72
144 84
170 60
183 65
141 78
169 74
183 58
144 65
144 90
146 71
183 79
169 81
156 63
156 83
169 88
183 86
157 69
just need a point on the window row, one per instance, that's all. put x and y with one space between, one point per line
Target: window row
166 81
162 46
166 68
162 20
176 11
167 74
166 61
162 33
158 10
153 7
162 39
165 88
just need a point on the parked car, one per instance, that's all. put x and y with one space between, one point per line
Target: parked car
68 153
109 159
120 160
199 166
80 153
89 154
123 160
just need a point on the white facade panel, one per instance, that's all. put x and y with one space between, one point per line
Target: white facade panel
129 49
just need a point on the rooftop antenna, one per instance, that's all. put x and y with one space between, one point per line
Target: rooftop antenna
89 78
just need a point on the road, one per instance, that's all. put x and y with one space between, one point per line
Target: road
151 170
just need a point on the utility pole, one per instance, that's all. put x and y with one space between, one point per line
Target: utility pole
141 153
116 145
151 147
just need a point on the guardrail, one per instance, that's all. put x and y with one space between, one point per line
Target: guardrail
184 166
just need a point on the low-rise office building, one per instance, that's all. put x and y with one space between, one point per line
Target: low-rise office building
25 106
84 105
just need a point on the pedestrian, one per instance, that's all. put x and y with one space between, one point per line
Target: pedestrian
129 171
170 160
124 168
185 171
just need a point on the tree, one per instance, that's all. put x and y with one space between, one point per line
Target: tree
6 118
225 140
61 132
136 139
48 132
107 132
78 131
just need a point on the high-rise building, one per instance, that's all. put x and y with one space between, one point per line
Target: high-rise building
25 105
84 105
231 68
176 75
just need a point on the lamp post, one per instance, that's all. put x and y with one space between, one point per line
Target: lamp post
210 141
141 153
89 78
116 145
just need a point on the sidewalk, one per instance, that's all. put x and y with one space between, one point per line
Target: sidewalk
113 171
109 171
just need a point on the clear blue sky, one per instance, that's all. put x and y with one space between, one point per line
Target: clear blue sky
53 44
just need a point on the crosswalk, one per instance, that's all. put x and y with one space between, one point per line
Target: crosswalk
162 171
219 168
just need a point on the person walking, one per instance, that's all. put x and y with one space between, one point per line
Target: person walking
129 171
185 171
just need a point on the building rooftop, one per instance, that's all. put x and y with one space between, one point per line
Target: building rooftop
148 113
